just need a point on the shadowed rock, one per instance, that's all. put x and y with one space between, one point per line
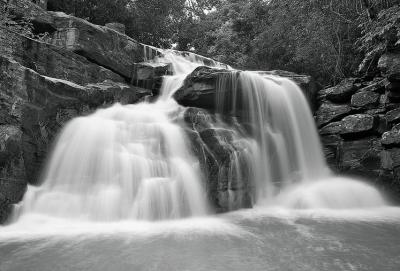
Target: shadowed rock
329 112
341 92
56 62
389 65
99 44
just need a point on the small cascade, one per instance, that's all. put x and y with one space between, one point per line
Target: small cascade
135 162
119 163
290 168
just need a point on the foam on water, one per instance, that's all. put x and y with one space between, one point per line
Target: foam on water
134 161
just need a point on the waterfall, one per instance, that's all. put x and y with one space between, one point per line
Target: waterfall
124 162
289 166
135 162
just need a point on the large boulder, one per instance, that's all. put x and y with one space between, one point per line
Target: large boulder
102 45
56 62
200 87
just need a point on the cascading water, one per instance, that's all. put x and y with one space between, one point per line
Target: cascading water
134 162
124 162
290 169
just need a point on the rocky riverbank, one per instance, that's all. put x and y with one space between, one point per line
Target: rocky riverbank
359 118
80 67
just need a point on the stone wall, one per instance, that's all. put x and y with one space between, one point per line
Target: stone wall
358 120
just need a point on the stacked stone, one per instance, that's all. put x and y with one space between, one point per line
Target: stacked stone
359 122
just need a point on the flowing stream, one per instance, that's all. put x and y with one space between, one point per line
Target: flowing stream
123 191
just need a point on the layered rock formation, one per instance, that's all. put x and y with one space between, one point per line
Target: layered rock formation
358 121
45 84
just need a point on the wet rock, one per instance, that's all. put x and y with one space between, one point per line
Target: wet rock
331 128
362 157
199 88
341 92
389 65
332 146
57 62
305 82
219 154
329 112
358 124
390 159
392 137
99 44
40 105
365 99
393 116
149 75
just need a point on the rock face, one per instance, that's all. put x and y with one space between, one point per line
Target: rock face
200 87
358 122
220 158
44 85
40 105
57 62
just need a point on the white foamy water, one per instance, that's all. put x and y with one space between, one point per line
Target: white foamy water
134 161
289 166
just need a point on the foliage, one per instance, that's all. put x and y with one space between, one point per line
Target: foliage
10 23
381 34
315 37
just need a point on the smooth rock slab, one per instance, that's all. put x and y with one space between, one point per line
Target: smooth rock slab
99 44
56 62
